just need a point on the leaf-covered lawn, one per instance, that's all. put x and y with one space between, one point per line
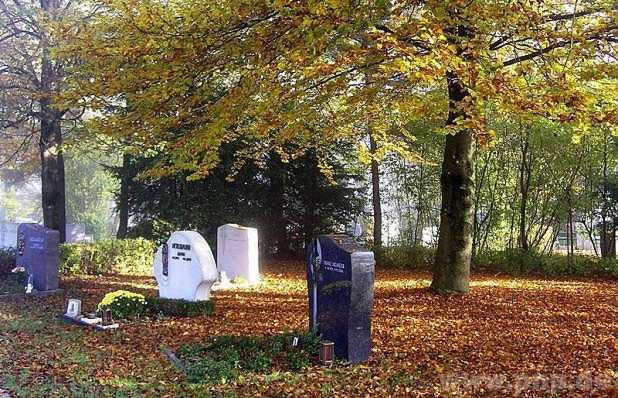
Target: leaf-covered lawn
523 337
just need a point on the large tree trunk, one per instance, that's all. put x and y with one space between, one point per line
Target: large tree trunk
377 205
279 237
123 203
451 271
608 229
50 143
524 187
52 173
608 239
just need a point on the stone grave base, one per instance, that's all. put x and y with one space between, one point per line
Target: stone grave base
44 293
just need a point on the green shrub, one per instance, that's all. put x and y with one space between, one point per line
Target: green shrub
7 261
114 256
415 257
224 358
512 262
124 304
608 267
519 262
179 308
13 282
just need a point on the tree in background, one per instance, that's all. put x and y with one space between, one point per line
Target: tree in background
376 199
29 80
89 193
125 175
289 201
412 193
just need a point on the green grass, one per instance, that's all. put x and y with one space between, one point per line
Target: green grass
226 358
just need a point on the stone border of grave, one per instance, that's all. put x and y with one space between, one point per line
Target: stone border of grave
95 326
44 293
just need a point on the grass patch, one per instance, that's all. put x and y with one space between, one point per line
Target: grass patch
24 325
225 358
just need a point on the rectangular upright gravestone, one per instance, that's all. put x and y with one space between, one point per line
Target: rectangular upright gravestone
340 276
37 252
237 252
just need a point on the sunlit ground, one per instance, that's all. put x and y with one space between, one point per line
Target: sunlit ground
514 337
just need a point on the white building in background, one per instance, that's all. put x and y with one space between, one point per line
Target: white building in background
582 244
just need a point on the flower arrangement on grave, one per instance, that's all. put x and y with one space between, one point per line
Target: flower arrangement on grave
19 275
124 304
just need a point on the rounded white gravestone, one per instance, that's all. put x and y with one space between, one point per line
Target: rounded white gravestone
237 252
185 267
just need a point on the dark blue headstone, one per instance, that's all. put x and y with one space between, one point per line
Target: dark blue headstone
340 276
37 252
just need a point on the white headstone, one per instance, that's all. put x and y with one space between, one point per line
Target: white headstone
75 233
74 309
185 267
237 252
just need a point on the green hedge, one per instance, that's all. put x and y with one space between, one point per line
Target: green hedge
414 257
179 308
512 262
127 257
519 262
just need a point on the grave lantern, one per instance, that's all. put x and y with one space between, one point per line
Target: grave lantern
340 277
327 352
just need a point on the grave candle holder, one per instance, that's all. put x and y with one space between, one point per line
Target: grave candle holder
107 317
327 353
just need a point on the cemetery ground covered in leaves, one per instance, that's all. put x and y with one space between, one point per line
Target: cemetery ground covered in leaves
509 336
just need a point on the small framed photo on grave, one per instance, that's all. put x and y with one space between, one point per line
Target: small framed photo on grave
74 308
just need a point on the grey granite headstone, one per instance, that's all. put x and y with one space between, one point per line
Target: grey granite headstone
37 252
340 277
